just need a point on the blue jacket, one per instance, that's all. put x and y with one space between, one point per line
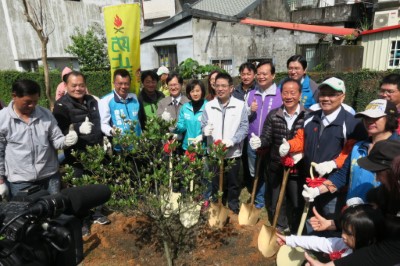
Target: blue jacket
117 112
189 122
309 91
360 180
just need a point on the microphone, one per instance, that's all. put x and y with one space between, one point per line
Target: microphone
84 198
72 201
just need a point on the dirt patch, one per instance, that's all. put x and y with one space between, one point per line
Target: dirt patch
116 244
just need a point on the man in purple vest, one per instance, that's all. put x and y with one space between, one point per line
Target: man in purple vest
265 97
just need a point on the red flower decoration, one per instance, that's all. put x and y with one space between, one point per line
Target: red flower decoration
167 148
219 142
337 254
190 155
287 161
316 182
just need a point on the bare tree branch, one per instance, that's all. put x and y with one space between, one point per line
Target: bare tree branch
39 20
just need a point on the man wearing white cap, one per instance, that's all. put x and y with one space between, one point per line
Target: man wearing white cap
327 138
162 73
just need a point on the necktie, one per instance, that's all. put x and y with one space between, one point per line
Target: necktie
175 102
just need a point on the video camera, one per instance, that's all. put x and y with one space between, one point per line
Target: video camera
41 229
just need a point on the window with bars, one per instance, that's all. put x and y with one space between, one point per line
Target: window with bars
167 56
225 64
394 58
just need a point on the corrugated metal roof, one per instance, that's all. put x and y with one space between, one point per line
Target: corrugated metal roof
223 7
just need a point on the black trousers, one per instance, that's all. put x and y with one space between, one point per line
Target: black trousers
232 185
293 203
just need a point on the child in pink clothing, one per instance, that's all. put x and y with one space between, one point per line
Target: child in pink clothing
61 87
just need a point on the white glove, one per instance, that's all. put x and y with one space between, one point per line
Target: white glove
115 131
86 127
106 144
310 193
166 116
284 148
71 138
297 157
255 142
197 139
3 191
325 167
208 130
227 142
172 136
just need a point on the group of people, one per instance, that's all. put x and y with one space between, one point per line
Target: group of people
259 120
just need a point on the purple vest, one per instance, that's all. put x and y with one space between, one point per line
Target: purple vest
256 120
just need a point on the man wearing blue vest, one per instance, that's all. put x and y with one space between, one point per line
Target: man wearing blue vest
120 107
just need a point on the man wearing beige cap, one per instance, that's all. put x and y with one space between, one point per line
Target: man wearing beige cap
162 86
327 138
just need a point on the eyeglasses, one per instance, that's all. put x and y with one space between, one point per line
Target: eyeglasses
389 92
222 86
173 85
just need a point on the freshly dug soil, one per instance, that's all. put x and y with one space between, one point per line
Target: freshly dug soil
128 241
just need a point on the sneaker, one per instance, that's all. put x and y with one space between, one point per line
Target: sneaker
101 220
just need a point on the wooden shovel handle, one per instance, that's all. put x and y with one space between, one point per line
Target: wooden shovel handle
253 193
306 206
221 181
281 195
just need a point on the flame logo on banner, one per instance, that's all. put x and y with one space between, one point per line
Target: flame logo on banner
117 21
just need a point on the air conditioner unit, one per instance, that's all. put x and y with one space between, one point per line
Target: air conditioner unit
386 18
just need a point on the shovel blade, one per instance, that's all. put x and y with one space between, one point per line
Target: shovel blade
248 214
218 215
189 214
171 205
288 256
267 244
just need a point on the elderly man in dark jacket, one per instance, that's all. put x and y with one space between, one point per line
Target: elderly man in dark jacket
283 122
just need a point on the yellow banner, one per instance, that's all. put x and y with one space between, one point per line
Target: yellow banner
122 24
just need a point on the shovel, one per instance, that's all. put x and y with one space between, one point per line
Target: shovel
218 212
172 203
248 214
190 211
267 243
295 256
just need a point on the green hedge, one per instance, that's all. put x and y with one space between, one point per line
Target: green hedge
99 83
362 87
